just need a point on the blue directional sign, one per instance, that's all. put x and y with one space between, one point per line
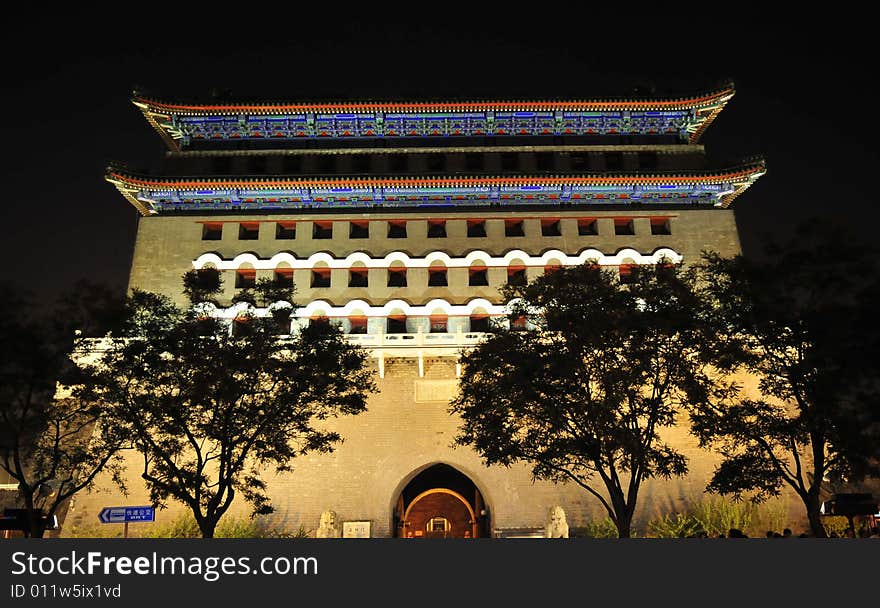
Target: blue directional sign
120 515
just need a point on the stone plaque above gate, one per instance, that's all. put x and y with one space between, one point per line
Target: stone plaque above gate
435 390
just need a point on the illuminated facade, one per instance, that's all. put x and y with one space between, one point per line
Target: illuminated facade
401 221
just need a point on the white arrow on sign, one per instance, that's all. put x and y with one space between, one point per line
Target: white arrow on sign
112 515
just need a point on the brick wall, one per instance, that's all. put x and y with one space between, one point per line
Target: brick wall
398 437
166 247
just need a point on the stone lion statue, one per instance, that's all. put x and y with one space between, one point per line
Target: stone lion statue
329 526
556 526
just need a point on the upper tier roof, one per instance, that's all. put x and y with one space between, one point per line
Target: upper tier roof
184 125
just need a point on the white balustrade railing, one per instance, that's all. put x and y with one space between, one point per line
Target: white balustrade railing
93 347
420 339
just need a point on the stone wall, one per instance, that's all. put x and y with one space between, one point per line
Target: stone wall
407 429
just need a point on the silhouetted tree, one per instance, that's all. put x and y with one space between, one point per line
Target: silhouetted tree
583 395
48 443
211 408
801 321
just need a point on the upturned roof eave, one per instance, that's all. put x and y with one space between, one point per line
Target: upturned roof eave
741 177
703 99
751 167
711 102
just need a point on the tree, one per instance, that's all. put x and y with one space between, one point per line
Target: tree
798 321
47 440
584 395
210 408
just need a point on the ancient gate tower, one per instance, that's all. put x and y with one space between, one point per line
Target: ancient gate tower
400 221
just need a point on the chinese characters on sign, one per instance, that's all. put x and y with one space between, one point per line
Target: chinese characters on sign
356 529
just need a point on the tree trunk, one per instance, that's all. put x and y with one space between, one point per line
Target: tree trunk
623 521
814 516
35 523
207 526
623 512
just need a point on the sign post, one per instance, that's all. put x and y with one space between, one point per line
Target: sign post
124 515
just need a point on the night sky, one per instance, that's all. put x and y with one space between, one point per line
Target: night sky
804 101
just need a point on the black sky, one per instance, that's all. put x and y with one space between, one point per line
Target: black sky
804 101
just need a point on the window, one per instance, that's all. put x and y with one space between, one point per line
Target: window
357 325
281 318
514 228
551 268
439 324
627 273
473 161
438 524
516 275
476 228
397 229
550 228
212 232
206 280
359 230
358 277
242 326
480 323
478 276
509 161
437 277
320 277
284 277
436 229
285 230
588 227
322 230
245 278
623 226
319 319
660 225
248 231
518 323
397 277
396 324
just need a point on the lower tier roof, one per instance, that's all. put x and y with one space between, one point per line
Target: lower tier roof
153 195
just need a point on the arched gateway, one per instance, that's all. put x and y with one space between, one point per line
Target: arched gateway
441 502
